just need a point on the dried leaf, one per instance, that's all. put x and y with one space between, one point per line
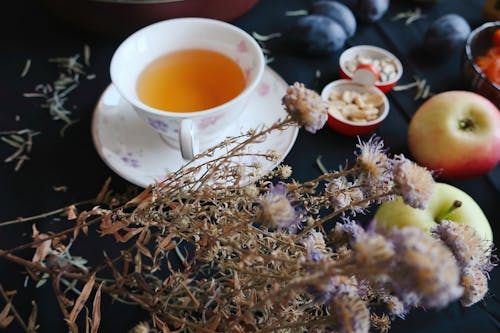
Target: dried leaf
145 251
71 212
165 244
42 249
214 323
191 296
141 197
32 326
80 301
161 325
5 319
26 68
101 196
82 217
96 310
131 232
72 327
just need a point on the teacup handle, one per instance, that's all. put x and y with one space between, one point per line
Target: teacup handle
188 143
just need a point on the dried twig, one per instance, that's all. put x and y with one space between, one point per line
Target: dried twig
423 88
409 16
13 310
22 141
55 94
26 68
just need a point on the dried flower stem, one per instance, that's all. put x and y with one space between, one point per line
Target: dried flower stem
44 215
207 251
13 309
3 253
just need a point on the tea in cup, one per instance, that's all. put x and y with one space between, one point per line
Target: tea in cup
188 78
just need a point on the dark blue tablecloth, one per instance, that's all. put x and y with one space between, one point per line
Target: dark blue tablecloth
28 30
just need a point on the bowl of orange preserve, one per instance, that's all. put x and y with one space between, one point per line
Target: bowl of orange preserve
482 61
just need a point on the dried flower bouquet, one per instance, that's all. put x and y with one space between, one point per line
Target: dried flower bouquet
266 255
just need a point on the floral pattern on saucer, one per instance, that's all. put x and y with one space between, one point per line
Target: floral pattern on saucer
137 153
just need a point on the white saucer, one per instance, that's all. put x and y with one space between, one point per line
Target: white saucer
138 154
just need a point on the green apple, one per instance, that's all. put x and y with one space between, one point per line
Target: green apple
442 206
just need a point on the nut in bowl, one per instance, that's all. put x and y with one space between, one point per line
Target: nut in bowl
354 108
385 67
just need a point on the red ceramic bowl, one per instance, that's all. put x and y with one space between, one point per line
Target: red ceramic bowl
374 53
120 17
347 127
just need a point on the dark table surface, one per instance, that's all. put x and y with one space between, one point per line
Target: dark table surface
29 31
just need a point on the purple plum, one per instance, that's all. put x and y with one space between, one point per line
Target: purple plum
446 34
317 35
370 10
338 12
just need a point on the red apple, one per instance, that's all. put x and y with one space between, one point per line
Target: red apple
456 134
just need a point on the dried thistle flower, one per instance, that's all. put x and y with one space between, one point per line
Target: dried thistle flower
473 257
425 270
349 310
376 167
475 284
372 249
277 210
412 182
343 193
395 306
306 107
467 246
315 246
381 323
284 171
142 327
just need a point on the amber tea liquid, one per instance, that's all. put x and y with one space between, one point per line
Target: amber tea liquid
190 80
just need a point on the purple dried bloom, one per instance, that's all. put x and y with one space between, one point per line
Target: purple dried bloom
306 107
372 250
343 193
348 228
473 256
424 268
412 182
335 285
395 306
475 283
278 211
315 246
349 310
376 166
467 246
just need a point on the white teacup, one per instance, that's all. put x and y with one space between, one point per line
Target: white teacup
187 130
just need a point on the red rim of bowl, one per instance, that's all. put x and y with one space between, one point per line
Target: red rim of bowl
376 49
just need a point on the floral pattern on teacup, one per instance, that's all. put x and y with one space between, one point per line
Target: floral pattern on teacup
204 123
263 89
158 124
130 161
242 47
248 72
